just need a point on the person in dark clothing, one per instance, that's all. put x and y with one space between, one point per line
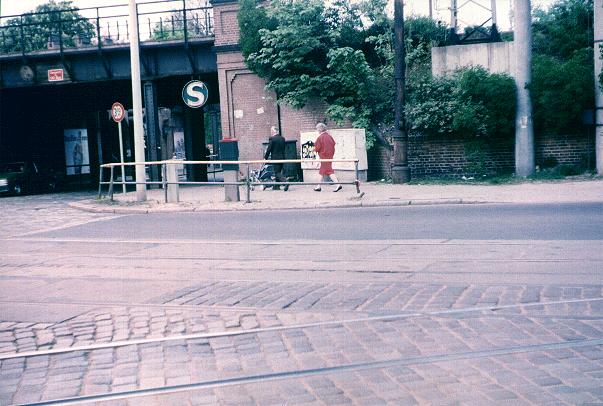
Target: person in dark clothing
276 151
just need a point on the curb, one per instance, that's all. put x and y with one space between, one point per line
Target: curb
92 207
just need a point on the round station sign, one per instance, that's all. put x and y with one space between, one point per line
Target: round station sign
117 112
195 94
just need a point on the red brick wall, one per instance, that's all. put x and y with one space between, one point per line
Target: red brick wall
570 149
226 26
247 109
258 111
445 157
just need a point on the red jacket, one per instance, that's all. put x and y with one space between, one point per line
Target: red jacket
325 148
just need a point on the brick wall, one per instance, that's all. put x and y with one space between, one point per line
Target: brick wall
226 26
445 157
247 109
570 149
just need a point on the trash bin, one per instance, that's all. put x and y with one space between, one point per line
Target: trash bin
229 151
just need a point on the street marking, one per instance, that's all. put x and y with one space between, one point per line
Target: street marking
249 379
50 229
115 344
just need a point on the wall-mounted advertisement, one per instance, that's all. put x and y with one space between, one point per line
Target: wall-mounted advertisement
77 159
180 152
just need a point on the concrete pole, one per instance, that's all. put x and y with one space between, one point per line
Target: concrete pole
598 38
400 169
141 190
493 8
453 13
524 127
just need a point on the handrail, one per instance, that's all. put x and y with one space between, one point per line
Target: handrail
248 183
104 24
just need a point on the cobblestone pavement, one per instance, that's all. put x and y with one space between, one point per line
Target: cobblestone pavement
270 342
26 214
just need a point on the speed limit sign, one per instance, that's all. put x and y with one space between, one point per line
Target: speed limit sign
118 112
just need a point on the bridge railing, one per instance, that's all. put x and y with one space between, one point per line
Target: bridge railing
98 27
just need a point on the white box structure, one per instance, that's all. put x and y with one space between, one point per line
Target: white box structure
350 143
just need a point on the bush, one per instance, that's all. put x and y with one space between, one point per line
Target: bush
469 103
561 91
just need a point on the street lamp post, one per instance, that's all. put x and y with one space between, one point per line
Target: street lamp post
400 169
141 188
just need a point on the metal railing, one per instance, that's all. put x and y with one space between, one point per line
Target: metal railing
97 27
247 182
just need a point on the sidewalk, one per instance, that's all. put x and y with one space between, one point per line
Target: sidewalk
211 198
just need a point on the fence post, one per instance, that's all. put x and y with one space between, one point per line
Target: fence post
164 182
357 182
100 181
111 183
248 183
173 187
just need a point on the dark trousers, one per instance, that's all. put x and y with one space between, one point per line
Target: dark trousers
279 174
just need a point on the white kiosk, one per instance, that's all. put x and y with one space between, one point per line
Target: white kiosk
350 143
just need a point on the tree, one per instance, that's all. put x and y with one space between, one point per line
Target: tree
173 26
337 53
561 91
563 28
340 53
562 82
48 22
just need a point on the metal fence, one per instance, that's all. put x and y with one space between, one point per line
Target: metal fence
248 182
104 26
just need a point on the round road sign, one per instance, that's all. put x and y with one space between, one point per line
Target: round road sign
118 112
195 94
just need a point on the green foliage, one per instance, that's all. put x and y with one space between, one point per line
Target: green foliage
561 91
562 29
421 34
496 93
562 80
470 103
338 53
173 27
252 17
53 22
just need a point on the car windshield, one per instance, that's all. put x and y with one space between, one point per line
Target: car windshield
14 167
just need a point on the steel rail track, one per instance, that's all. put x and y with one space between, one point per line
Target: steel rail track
274 376
390 317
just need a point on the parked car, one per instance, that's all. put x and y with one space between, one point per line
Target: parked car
17 178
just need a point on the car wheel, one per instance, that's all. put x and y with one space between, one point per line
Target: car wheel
17 189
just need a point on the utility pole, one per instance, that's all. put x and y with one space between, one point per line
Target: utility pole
524 127
598 44
141 189
400 169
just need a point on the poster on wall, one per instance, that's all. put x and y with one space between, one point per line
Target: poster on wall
77 159
180 152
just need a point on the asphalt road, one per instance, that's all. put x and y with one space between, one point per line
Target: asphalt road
461 222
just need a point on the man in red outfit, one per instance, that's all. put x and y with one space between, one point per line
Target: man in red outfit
325 148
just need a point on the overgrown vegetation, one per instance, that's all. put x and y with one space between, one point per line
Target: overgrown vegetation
341 54
562 81
48 22
469 103
337 53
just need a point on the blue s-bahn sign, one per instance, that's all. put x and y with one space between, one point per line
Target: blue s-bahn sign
195 94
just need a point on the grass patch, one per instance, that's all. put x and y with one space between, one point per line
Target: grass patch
556 174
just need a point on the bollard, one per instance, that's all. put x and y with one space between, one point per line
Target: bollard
173 195
229 151
231 192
